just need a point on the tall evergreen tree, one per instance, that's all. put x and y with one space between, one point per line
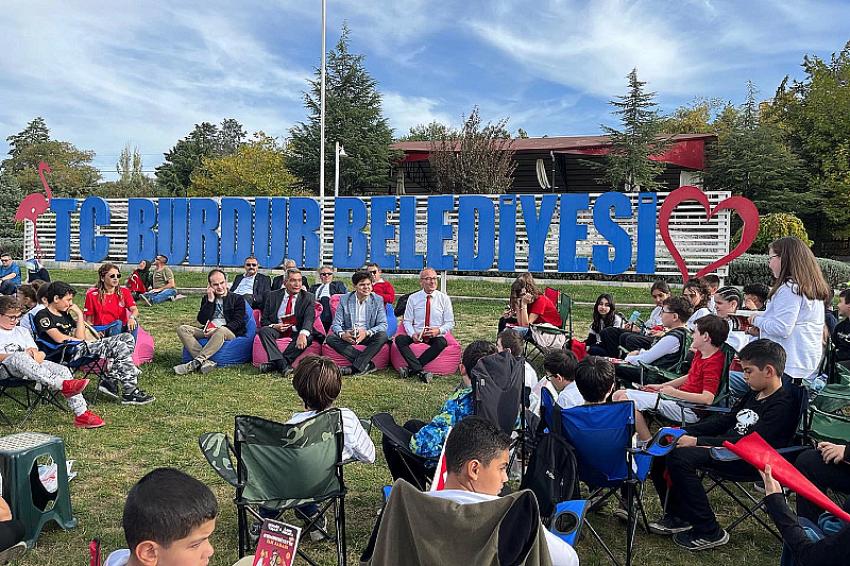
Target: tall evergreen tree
36 132
627 166
751 159
353 118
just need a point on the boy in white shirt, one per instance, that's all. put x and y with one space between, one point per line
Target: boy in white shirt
560 366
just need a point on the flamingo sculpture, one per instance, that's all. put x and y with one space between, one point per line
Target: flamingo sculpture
34 205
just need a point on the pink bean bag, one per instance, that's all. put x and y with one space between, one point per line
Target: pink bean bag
445 364
144 347
381 359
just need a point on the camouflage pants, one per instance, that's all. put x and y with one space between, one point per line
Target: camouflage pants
118 351
48 374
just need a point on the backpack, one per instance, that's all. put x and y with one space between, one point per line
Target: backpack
552 473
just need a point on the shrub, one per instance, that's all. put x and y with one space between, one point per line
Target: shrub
750 268
772 227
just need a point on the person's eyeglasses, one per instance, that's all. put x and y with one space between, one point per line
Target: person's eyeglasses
668 312
251 265
690 294
325 274
772 256
14 317
373 273
114 275
427 278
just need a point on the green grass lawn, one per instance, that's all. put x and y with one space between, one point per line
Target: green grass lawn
137 439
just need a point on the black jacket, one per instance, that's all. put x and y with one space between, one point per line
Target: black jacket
234 312
831 551
337 288
277 282
305 309
262 285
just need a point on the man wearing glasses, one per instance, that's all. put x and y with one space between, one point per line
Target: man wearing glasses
383 289
280 281
252 285
10 275
323 291
163 288
428 317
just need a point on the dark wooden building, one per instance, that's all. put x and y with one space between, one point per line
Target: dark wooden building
558 164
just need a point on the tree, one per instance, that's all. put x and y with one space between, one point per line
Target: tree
427 132
694 118
751 159
36 132
72 173
353 118
132 182
476 159
257 168
11 194
814 117
205 140
628 166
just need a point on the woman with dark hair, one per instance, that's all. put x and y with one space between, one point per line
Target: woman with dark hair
109 306
794 317
635 335
697 292
604 316
140 280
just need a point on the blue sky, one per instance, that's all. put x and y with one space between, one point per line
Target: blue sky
104 73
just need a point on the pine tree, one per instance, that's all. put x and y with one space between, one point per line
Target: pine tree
36 132
353 118
627 166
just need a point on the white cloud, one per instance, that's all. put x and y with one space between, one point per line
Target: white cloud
403 112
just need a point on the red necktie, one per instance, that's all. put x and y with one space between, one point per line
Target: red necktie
427 311
289 305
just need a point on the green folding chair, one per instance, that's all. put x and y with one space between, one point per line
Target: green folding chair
829 414
281 467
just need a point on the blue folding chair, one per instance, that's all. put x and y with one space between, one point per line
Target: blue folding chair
601 436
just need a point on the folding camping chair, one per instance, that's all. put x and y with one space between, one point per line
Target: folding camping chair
828 417
751 504
84 367
282 467
534 352
34 395
601 436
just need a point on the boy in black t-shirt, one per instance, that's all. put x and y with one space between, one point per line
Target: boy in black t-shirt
841 334
55 325
767 409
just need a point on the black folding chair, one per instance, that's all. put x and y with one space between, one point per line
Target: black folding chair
34 395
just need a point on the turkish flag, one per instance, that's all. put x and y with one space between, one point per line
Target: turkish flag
757 452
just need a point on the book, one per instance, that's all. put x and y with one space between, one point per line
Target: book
277 545
210 326
288 320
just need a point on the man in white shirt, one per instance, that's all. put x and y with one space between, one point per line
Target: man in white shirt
428 317
477 464
323 291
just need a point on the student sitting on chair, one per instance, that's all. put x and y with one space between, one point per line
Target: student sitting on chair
665 350
698 293
560 366
111 305
700 385
30 304
56 326
755 296
426 439
634 336
713 282
168 520
22 359
768 409
528 305
595 379
603 317
477 464
726 302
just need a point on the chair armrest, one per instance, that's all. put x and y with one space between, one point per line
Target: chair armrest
568 519
216 448
663 441
726 455
666 374
547 329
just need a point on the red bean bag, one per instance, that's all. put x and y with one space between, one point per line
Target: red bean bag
259 356
144 347
392 322
381 359
445 364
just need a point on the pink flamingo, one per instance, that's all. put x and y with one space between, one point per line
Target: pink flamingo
34 205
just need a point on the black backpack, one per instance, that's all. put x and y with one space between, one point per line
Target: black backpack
552 473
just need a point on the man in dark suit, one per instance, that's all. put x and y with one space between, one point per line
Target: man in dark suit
252 285
279 281
323 291
286 312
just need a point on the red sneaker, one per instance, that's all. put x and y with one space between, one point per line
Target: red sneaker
71 387
88 420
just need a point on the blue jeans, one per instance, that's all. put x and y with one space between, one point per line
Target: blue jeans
161 297
738 386
115 328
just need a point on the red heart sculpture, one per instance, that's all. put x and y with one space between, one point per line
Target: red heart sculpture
743 206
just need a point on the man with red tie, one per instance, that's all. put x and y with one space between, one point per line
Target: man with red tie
428 317
287 312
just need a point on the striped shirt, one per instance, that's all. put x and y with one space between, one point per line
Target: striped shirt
357 446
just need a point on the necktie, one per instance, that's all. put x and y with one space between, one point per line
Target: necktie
427 311
289 305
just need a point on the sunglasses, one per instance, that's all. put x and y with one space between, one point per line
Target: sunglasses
251 264
373 273
325 274
114 275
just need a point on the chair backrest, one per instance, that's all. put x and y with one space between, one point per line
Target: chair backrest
497 383
601 436
829 414
565 309
282 465
800 395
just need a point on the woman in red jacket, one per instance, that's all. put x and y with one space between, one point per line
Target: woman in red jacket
109 306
